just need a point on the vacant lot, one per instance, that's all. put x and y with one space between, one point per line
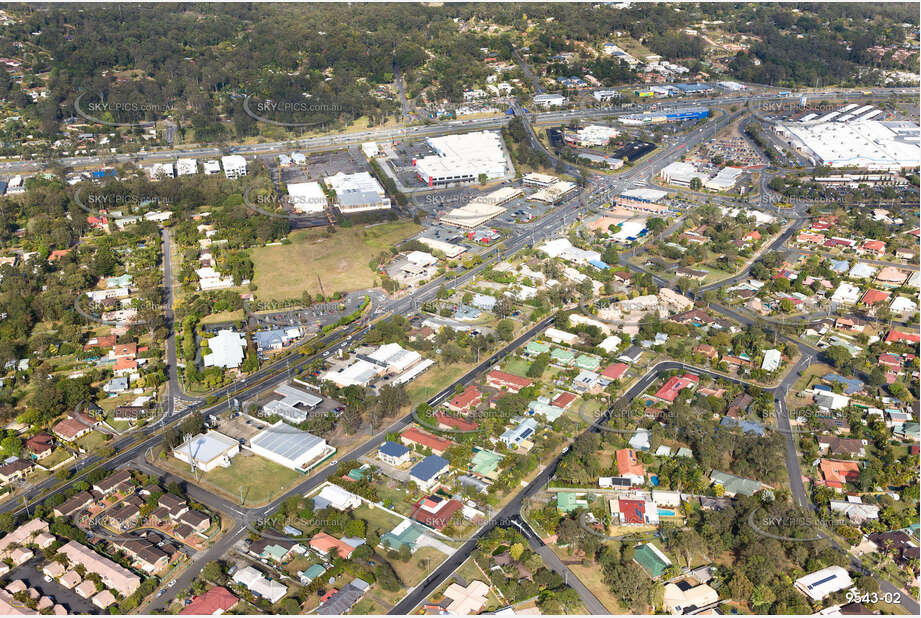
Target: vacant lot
340 260
258 480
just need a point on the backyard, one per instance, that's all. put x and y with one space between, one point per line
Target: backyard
340 260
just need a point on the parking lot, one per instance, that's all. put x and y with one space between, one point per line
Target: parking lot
400 158
240 426
30 575
325 164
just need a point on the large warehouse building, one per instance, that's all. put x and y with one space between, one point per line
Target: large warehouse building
307 197
867 144
482 208
288 446
208 450
462 158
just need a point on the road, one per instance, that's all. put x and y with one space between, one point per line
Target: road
328 142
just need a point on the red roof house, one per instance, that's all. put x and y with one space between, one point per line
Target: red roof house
445 420
470 398
872 297
614 371
836 472
508 381
897 336
214 602
414 435
675 385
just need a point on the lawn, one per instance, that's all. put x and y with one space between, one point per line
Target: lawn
422 562
91 441
257 479
518 366
433 380
340 260
56 457
378 519
592 577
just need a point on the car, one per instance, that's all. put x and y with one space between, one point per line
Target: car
334 462
47 579
171 583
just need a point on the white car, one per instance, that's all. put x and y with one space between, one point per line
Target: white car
334 462
171 583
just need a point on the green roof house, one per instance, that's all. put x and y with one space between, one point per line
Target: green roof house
485 463
733 484
589 363
651 559
535 348
568 501
562 356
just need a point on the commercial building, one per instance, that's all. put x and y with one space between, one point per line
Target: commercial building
358 192
867 144
555 193
307 197
681 174
294 406
226 350
481 209
208 450
643 200
724 180
234 166
288 446
462 158
549 100
450 250
186 167
592 135
659 117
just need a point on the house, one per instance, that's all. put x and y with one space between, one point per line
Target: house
73 428
854 509
15 470
436 511
560 336
675 384
835 445
874 247
846 294
692 274
706 350
824 582
688 600
462 403
259 585
734 485
324 544
393 453
630 467
631 355
113 576
337 498
413 436
446 421
837 472
425 473
502 380
640 440
514 438
897 336
891 277
614 371
340 602
874 297
198 521
467 600
771 361
215 601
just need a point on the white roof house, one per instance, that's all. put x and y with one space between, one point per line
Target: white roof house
771 360
259 585
846 293
338 498
307 197
824 582
610 344
862 270
226 350
212 166
903 304
234 166
560 336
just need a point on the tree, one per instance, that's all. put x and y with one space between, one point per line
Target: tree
505 329
695 184
516 550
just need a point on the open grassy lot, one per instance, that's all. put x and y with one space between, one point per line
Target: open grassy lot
341 259
92 441
433 380
377 518
517 366
422 562
258 479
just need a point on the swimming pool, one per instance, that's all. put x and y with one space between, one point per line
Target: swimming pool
666 513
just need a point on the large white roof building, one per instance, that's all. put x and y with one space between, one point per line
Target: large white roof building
462 158
307 197
870 144
358 192
207 450
234 166
288 446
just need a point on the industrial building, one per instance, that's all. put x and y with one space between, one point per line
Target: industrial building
287 446
307 197
357 192
591 135
294 406
659 117
462 158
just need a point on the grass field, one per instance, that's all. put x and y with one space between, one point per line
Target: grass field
258 479
517 366
432 381
422 562
340 259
